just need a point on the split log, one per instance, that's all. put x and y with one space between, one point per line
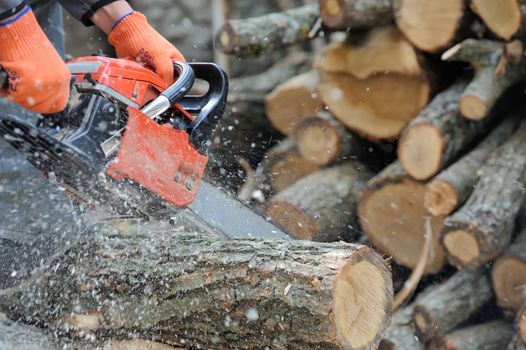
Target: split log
451 187
438 135
504 17
281 167
401 334
508 275
392 214
495 71
441 308
322 206
293 101
482 228
322 140
195 291
374 86
343 14
493 335
431 25
261 35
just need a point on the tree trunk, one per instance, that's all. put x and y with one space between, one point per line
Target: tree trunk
482 228
261 35
431 25
322 206
438 135
508 275
293 101
200 292
440 309
451 187
392 214
493 335
343 14
504 18
401 334
495 73
281 167
374 86
322 140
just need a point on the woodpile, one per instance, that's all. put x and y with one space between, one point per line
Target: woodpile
410 123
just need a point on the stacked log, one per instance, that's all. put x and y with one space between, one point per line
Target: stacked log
449 189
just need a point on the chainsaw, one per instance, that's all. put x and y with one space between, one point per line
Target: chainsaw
128 143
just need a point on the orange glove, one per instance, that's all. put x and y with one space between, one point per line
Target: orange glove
38 78
132 36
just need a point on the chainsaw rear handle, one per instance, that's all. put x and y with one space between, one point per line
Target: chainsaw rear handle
173 93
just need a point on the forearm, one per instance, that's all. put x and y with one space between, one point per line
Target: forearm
107 16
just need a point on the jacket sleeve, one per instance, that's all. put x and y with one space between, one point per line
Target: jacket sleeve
82 9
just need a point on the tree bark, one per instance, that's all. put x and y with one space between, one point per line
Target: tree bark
508 275
438 135
343 14
322 140
482 228
281 167
451 187
494 73
261 35
493 335
293 101
322 206
392 214
401 334
431 25
374 86
503 18
440 309
195 291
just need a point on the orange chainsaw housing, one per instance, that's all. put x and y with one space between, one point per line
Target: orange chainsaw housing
156 156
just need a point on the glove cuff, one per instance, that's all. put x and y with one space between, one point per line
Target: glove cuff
21 37
123 32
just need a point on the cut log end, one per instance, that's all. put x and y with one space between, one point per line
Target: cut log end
509 280
473 107
503 17
361 303
423 323
430 25
521 325
331 11
441 198
226 39
292 219
318 142
393 216
420 151
462 246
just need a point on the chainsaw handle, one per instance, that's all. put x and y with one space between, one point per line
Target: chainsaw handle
182 86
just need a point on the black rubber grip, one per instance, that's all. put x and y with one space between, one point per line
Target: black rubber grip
4 79
186 77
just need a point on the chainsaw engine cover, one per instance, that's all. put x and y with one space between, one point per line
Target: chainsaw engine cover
160 158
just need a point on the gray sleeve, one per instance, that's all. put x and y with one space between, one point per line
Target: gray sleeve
83 9
10 7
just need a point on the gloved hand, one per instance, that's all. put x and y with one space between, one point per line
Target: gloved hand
132 36
38 78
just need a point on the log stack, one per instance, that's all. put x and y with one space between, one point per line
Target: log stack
414 156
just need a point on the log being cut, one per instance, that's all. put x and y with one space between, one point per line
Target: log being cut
196 291
392 214
375 85
482 228
322 206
